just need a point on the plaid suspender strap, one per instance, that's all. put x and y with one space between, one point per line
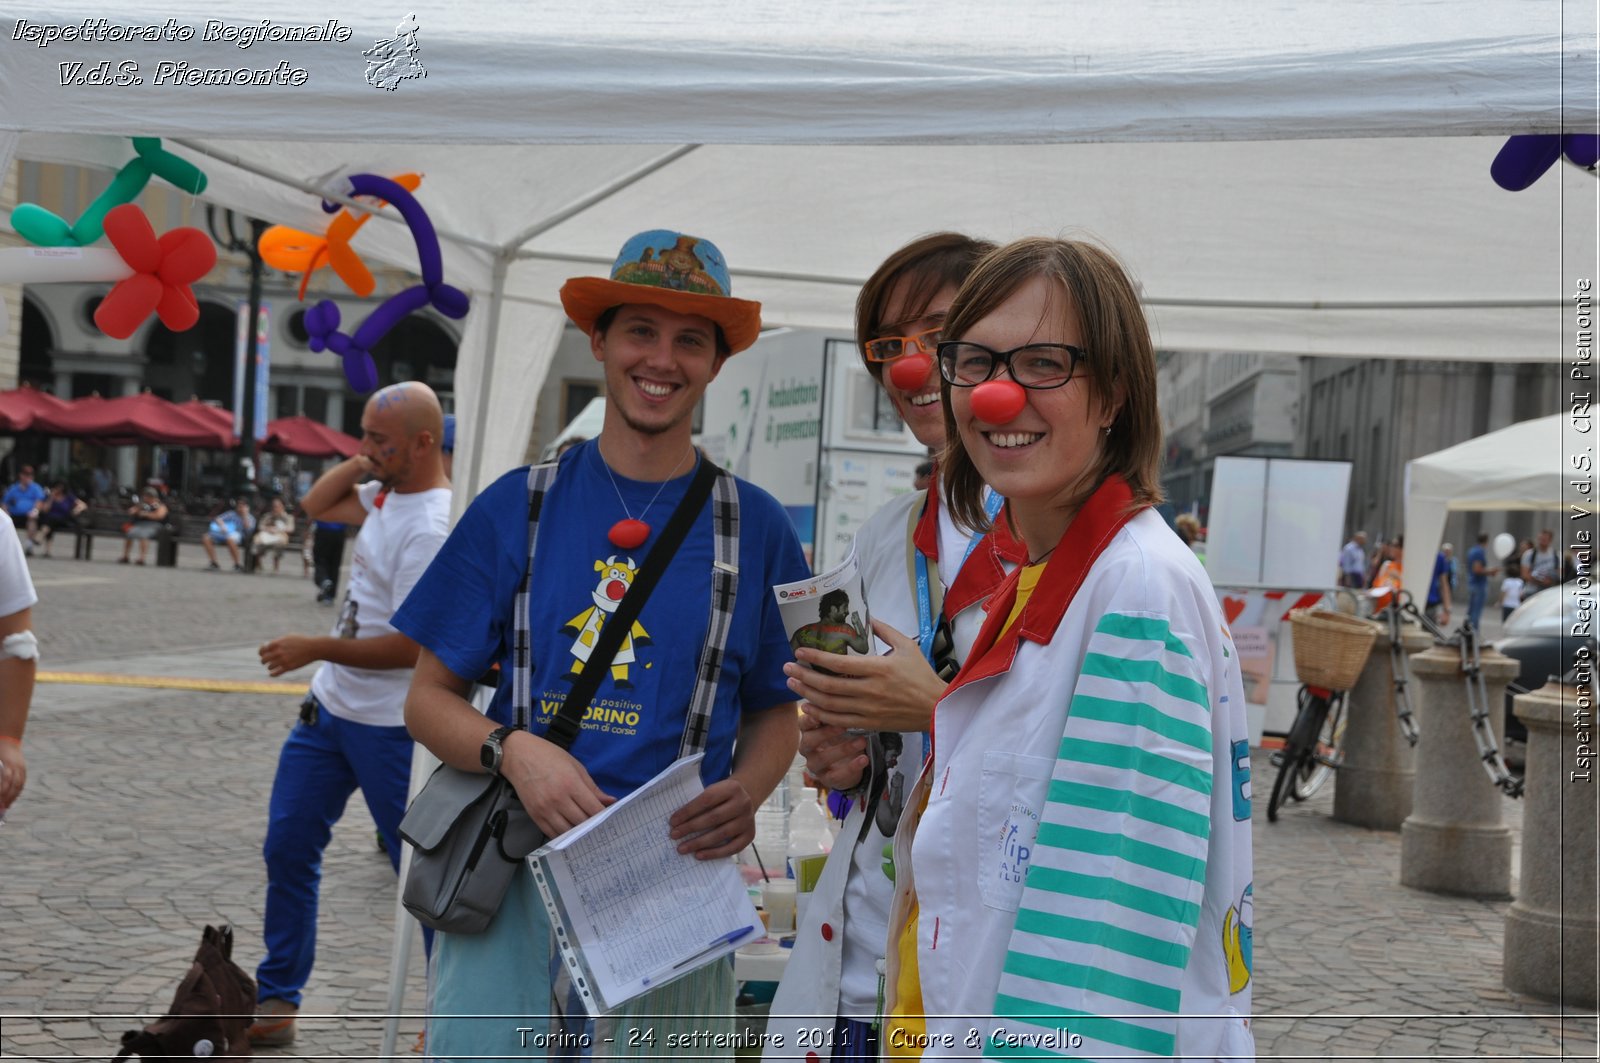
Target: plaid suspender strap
539 480
724 588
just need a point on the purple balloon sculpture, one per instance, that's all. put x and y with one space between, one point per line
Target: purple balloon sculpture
1581 149
322 320
1524 159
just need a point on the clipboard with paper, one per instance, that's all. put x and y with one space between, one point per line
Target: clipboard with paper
629 913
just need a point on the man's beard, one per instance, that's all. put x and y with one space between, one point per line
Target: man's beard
648 429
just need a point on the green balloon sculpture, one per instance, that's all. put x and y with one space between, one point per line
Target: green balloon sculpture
44 229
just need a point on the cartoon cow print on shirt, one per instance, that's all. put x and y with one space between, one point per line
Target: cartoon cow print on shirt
616 576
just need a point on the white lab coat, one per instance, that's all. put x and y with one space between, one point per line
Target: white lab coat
809 997
1143 793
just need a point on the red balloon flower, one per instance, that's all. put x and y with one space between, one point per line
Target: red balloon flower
162 272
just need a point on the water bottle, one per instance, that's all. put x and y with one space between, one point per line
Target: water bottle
809 839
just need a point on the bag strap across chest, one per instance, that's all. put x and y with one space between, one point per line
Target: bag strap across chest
724 500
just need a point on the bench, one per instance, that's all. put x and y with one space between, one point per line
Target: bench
108 523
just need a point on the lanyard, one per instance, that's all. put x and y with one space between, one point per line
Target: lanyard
925 622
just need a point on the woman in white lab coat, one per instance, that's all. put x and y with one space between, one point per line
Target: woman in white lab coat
1074 870
916 567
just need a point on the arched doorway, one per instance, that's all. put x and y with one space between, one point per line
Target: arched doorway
35 345
198 361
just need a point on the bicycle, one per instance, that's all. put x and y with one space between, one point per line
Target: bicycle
1312 752
1330 650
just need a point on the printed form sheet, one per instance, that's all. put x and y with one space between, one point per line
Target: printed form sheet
629 911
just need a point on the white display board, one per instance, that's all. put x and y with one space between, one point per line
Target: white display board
1276 522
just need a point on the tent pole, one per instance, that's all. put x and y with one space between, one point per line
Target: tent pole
599 195
502 262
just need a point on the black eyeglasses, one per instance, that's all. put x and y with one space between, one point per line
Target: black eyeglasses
1035 365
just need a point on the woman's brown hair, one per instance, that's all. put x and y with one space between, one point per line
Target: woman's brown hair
932 263
1119 359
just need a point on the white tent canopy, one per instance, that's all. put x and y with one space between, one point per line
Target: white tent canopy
1286 177
1527 465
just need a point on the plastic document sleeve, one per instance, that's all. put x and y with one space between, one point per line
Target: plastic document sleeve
628 912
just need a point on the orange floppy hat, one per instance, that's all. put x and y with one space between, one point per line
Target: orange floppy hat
681 273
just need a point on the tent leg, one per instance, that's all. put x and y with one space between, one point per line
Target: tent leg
480 426
422 765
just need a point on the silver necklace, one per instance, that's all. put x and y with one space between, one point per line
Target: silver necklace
631 532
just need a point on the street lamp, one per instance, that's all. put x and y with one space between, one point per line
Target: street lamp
229 239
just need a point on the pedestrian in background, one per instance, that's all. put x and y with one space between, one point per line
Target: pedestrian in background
1478 573
19 658
1510 593
1541 565
1353 562
352 731
327 555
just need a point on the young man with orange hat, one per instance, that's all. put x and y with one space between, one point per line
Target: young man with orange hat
661 326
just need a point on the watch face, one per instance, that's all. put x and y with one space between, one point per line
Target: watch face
489 754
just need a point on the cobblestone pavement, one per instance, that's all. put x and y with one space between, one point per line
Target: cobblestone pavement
145 811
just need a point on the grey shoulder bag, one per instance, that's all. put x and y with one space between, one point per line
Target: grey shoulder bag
469 830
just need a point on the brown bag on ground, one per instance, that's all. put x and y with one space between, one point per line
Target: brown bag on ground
212 1009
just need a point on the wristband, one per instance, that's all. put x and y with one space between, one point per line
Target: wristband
21 644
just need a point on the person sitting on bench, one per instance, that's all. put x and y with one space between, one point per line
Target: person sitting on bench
277 525
148 514
60 512
229 528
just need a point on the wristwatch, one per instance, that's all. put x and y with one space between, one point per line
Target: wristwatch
490 753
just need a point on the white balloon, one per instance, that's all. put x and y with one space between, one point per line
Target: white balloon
1503 545
53 265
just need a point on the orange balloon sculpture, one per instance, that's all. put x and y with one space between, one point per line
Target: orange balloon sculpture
294 251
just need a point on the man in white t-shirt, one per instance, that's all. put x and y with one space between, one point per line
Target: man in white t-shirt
1541 566
352 726
19 656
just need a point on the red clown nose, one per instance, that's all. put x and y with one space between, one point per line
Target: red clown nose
998 401
909 373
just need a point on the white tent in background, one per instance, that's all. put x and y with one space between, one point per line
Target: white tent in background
1290 176
1521 467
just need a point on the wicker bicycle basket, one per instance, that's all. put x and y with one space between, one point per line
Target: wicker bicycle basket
1330 649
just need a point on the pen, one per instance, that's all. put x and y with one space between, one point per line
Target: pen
725 939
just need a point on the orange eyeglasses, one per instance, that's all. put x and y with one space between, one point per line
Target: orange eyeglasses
888 348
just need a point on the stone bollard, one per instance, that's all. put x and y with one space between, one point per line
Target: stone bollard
1551 937
1374 784
1454 840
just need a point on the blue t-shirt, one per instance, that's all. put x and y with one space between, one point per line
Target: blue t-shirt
1478 555
461 610
1441 568
20 500
229 525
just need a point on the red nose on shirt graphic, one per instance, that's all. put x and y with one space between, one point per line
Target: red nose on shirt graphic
615 589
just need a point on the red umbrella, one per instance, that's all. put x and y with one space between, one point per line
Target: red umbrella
142 418
20 407
309 439
211 416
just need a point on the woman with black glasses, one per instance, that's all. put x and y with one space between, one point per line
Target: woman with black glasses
1074 870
